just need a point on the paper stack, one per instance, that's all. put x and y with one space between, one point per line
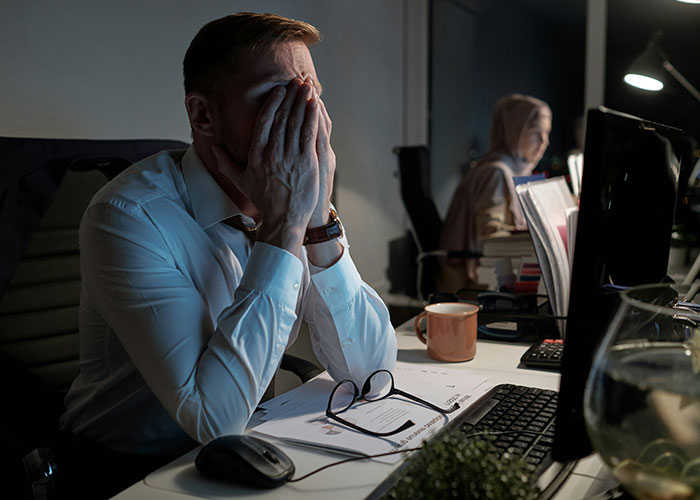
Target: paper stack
545 204
514 244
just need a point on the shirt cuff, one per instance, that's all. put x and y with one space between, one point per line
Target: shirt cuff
273 272
339 283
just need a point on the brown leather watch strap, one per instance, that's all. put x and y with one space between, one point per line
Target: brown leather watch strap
328 232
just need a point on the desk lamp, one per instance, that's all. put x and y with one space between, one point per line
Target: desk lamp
645 71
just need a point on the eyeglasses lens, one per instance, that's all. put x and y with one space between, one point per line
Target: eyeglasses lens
343 397
378 386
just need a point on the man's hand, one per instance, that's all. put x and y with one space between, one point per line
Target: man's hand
282 176
326 158
327 253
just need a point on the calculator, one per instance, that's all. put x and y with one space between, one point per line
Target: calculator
545 354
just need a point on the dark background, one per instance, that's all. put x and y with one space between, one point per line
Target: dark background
630 25
483 49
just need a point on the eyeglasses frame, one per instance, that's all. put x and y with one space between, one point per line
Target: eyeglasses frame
366 387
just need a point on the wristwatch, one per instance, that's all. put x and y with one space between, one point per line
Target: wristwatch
330 231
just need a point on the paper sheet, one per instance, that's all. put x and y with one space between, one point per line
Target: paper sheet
301 418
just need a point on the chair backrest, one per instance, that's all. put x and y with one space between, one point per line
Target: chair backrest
414 181
45 185
424 219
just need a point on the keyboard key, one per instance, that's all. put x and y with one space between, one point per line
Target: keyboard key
546 440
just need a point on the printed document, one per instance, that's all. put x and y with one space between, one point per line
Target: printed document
300 415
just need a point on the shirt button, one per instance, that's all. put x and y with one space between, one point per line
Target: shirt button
280 348
348 342
296 286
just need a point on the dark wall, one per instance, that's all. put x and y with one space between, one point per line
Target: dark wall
630 25
527 50
523 46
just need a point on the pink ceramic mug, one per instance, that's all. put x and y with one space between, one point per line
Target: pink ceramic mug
451 330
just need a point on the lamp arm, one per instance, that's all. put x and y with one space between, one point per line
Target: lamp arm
681 79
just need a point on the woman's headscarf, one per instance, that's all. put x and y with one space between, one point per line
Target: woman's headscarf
512 116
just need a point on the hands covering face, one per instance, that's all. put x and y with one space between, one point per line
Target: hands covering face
291 164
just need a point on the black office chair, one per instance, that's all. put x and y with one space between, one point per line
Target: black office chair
425 221
45 186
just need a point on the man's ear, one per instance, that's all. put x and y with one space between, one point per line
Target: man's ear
201 111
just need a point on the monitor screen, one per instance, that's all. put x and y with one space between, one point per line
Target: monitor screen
626 210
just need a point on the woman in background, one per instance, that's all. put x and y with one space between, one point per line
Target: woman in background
485 203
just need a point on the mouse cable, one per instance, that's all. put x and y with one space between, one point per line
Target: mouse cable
363 457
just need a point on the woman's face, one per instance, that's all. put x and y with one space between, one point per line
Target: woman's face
535 139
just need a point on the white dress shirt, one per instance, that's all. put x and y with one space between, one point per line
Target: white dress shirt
183 322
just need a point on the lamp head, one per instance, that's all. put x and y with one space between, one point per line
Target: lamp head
646 71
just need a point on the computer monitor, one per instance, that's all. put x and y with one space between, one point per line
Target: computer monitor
626 210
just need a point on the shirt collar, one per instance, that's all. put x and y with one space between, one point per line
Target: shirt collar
210 204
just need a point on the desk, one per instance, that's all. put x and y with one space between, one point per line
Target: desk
498 361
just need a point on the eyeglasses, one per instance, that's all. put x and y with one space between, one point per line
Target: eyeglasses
379 385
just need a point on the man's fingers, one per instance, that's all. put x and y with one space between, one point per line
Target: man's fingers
265 118
322 139
227 165
279 125
324 131
310 130
326 118
296 119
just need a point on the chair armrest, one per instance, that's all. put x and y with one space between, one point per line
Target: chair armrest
302 368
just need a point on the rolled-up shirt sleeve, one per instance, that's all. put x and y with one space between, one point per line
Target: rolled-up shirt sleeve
351 333
208 373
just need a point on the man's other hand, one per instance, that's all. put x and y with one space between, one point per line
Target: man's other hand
326 158
282 176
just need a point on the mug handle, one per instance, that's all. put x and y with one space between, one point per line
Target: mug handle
416 327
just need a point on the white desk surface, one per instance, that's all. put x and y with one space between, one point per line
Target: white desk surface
496 360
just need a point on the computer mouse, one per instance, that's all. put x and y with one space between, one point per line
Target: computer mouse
245 460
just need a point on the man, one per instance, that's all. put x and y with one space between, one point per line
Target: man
183 319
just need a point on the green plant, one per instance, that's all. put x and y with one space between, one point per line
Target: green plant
452 467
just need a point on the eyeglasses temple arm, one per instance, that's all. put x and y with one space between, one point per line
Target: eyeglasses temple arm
454 407
404 426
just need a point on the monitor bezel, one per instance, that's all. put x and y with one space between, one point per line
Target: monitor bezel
590 308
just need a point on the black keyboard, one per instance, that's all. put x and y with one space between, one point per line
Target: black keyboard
522 421
545 354
526 411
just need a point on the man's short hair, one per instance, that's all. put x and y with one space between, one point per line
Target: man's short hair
214 53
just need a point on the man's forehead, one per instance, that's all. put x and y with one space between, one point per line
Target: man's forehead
284 79
280 64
